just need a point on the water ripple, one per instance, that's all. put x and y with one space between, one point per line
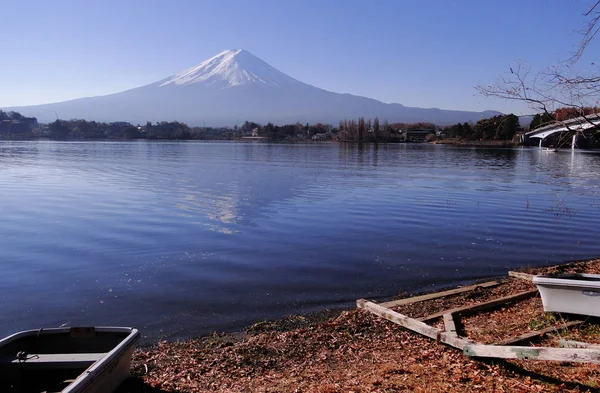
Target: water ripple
184 238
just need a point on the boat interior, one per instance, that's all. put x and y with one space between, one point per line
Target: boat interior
47 362
575 276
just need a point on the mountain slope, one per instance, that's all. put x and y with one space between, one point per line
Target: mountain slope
230 88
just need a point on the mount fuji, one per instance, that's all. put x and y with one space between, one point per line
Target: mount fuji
230 88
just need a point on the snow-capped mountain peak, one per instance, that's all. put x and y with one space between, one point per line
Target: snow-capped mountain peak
230 68
230 88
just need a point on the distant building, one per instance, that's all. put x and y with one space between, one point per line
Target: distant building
418 134
321 136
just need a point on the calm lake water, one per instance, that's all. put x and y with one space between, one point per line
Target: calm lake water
180 239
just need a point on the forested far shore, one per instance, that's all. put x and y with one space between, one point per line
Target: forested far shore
500 128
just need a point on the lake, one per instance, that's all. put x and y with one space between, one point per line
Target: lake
185 238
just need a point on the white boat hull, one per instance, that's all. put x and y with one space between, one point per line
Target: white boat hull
570 293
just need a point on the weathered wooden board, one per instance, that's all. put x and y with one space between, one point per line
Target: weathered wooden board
577 344
537 334
449 338
449 323
482 306
533 353
55 360
589 354
410 300
455 341
522 276
399 319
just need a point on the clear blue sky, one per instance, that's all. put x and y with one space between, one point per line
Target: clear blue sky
417 53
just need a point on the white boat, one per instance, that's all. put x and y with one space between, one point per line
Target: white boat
66 360
570 293
549 149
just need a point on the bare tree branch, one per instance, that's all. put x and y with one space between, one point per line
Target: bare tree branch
589 32
561 91
518 87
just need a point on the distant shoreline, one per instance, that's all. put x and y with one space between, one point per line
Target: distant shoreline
453 142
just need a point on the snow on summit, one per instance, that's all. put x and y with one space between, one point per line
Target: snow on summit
231 68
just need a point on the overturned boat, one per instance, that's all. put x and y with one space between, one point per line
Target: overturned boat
66 360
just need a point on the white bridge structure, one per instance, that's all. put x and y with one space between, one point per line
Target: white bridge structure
578 126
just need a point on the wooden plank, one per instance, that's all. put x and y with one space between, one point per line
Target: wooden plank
412 324
533 353
576 344
537 334
53 358
56 360
449 323
455 341
402 320
522 276
482 306
415 299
